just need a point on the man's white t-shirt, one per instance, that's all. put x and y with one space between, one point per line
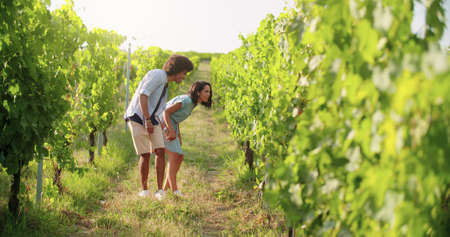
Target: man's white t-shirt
152 85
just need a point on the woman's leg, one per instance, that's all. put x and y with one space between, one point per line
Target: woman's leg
166 182
175 160
180 159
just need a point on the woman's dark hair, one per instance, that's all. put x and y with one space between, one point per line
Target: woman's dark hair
176 64
196 88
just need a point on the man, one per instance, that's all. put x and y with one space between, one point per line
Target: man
148 102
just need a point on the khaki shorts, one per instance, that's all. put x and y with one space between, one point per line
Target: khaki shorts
143 142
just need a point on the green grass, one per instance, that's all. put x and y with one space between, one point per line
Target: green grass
59 214
219 198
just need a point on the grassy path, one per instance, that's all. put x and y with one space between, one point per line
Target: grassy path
218 198
215 203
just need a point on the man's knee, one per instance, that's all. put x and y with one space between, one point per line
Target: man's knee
145 156
159 152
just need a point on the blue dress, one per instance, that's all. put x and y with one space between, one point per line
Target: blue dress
175 118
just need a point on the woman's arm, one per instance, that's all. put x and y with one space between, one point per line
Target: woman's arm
179 134
171 135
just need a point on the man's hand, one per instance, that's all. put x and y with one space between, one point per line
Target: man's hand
149 126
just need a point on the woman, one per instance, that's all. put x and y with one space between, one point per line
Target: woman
177 110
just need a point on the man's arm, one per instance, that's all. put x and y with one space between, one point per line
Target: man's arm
143 102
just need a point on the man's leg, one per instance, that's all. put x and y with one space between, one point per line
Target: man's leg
144 167
160 165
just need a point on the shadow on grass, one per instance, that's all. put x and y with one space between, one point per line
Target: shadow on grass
241 197
63 214
86 191
195 156
111 224
34 221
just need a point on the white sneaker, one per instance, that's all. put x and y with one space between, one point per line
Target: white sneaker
177 193
144 193
160 194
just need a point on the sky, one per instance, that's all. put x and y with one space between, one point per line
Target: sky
197 25
419 21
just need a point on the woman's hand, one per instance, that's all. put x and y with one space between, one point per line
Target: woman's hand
170 134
